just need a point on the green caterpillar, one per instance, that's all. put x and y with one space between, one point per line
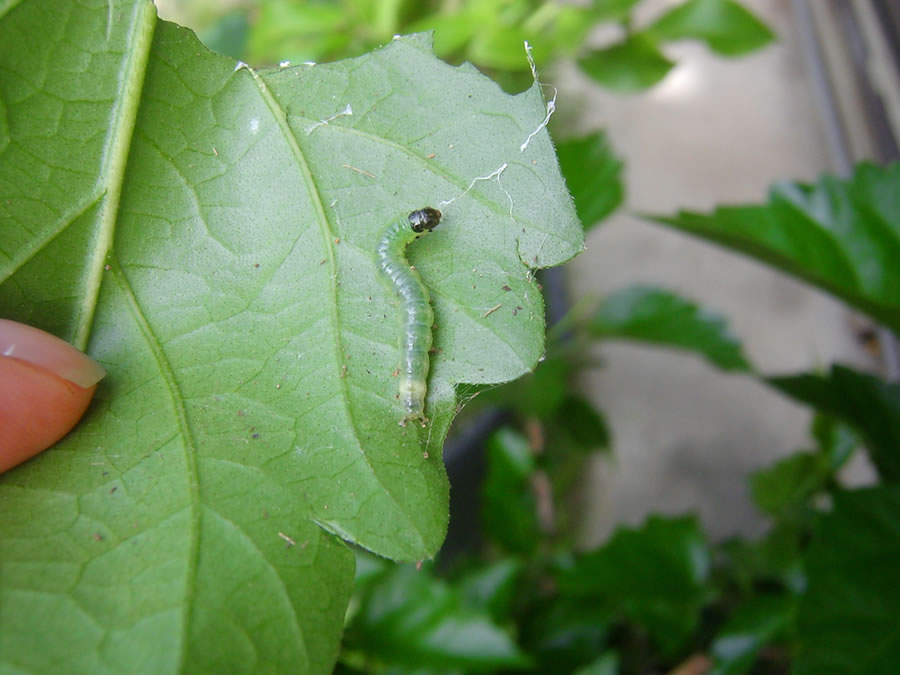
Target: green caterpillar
418 317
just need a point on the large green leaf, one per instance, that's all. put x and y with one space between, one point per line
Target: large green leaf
205 231
655 574
660 317
863 401
726 26
841 235
849 618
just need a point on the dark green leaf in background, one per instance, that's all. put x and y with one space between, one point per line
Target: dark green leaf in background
593 174
789 482
863 401
567 632
584 424
411 619
660 317
492 587
774 559
508 509
726 26
206 232
655 574
630 66
753 625
835 440
849 618
540 393
841 235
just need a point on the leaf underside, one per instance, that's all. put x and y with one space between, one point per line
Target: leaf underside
205 232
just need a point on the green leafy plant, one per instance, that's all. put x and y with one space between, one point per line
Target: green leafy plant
207 232
813 595
487 33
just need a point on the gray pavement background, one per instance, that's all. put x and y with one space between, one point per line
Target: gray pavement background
715 131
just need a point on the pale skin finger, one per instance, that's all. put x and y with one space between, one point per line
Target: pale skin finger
45 387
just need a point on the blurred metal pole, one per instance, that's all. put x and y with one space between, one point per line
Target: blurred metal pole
837 139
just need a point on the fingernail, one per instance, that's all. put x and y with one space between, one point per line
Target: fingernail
49 352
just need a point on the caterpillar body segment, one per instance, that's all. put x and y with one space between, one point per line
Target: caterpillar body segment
417 316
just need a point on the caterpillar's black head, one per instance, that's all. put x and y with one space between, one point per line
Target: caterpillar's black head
425 219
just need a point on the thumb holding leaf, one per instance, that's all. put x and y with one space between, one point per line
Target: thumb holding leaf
46 385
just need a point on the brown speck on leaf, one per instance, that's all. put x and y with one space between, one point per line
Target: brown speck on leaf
113 489
241 413
430 155
344 371
256 265
107 267
540 287
98 536
322 261
506 288
395 373
418 565
492 310
337 241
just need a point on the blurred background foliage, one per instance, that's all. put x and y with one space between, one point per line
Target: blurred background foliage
817 592
488 33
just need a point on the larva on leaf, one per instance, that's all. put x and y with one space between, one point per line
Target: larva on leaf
418 317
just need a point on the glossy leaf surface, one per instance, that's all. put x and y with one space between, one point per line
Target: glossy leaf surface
413 620
863 401
843 236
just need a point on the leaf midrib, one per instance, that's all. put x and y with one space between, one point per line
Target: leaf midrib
280 116
115 161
